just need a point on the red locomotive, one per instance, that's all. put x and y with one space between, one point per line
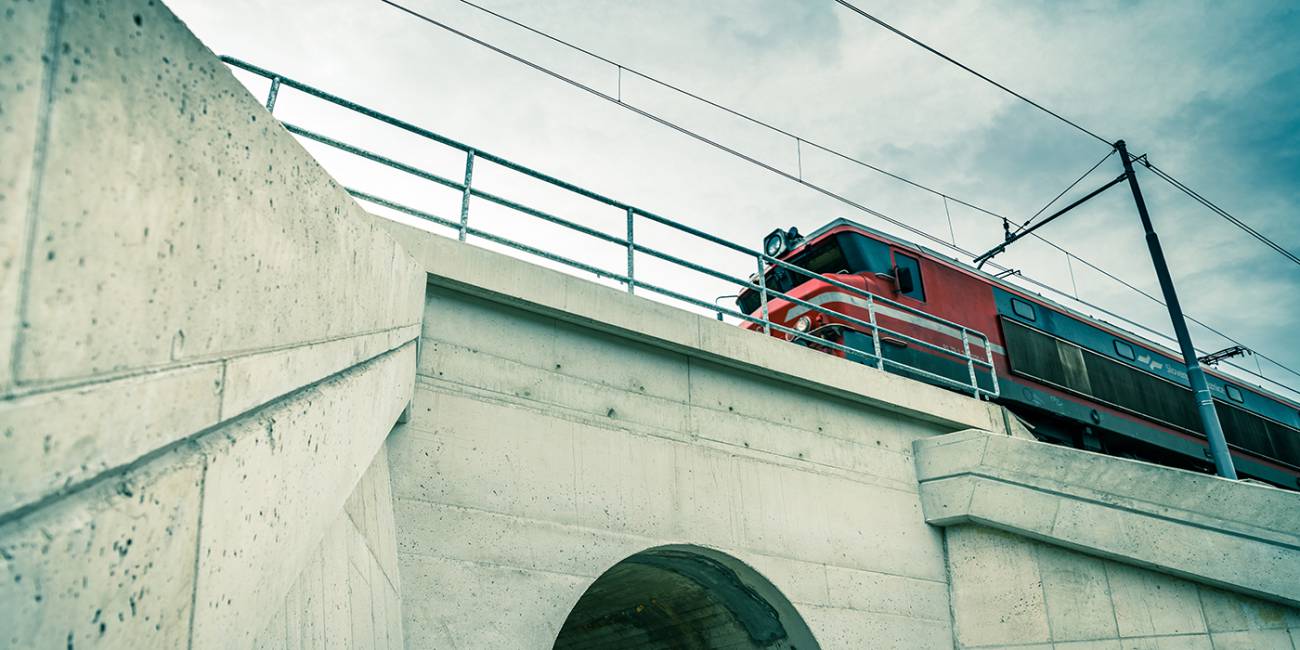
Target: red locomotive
861 294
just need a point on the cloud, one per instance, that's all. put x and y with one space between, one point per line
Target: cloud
1208 89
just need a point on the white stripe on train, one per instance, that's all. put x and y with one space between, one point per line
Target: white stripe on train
883 309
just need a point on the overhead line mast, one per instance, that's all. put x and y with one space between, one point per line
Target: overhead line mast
1209 417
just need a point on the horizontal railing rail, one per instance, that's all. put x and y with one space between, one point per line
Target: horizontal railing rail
763 262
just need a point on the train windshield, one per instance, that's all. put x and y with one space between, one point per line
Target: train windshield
845 252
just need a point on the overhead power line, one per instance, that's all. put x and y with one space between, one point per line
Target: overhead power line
967 68
1162 174
829 150
792 177
1217 210
1067 189
676 127
730 111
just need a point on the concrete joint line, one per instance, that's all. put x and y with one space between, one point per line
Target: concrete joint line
217 357
695 350
144 459
198 548
1099 501
54 36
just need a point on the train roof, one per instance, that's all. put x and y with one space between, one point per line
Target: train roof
993 279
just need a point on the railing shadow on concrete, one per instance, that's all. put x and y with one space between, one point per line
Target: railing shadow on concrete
972 341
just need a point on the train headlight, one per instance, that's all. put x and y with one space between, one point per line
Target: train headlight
803 324
774 244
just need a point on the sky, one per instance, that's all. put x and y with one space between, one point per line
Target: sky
1210 91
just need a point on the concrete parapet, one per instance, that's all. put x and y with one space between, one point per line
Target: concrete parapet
1238 536
500 278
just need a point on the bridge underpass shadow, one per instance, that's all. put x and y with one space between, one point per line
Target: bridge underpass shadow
683 597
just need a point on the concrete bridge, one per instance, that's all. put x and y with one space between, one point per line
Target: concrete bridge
239 411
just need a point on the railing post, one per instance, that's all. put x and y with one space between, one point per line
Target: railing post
631 248
762 294
970 361
464 198
993 372
270 96
875 331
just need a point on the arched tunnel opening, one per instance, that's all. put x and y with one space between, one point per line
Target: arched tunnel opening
683 597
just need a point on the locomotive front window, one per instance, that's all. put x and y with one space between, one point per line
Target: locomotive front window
825 257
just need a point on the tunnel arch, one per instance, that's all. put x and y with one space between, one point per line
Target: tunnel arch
683 597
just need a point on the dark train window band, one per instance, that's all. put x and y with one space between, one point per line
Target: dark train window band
1065 365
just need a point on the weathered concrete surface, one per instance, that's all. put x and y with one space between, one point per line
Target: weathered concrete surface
189 261
1009 591
206 345
244 506
154 158
111 566
545 446
272 490
1238 536
24 40
347 596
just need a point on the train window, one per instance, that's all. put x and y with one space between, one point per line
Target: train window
907 264
1234 393
1022 309
1125 350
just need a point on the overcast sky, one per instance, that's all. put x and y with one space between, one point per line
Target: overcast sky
1211 91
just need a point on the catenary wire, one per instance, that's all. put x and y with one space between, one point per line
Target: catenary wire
1196 196
1067 189
799 138
944 195
726 109
1164 175
829 193
967 68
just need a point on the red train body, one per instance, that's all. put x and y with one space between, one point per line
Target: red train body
1074 379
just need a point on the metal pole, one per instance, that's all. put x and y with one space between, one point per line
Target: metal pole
875 331
762 293
1195 376
970 362
270 95
631 248
464 198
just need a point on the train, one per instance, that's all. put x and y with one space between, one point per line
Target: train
1073 379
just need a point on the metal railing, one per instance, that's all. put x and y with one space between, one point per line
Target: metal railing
762 261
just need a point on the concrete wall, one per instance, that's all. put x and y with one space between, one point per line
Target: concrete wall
203 339
1230 534
1008 591
347 597
1049 547
559 427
